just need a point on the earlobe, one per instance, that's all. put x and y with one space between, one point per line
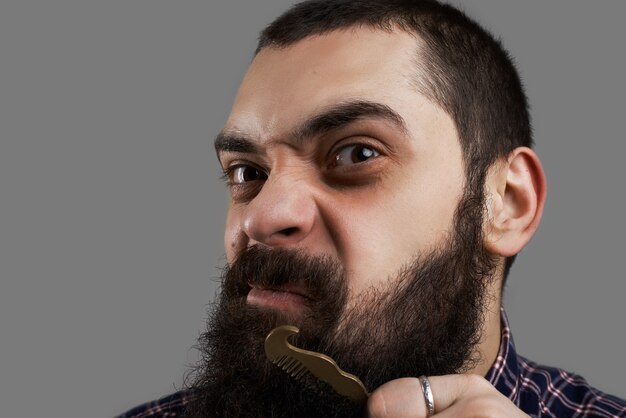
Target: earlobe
517 190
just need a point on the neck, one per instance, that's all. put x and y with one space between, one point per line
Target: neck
489 345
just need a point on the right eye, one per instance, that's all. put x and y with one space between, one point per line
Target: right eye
240 174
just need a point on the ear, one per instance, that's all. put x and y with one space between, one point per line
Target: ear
516 194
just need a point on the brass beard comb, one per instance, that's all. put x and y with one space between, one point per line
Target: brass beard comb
298 362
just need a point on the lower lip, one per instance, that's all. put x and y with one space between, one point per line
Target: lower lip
284 301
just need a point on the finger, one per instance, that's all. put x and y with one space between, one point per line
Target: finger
493 404
447 390
400 398
482 409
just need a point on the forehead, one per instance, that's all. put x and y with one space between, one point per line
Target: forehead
285 86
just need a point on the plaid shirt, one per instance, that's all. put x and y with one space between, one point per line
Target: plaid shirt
542 391
539 391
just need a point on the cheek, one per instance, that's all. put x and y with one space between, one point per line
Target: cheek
385 233
375 240
233 240
428 200
417 216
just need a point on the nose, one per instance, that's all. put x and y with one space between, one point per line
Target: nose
283 213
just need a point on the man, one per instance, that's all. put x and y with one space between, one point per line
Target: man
378 156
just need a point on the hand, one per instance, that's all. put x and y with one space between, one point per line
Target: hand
455 396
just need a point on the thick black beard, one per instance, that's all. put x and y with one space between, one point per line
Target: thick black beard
426 321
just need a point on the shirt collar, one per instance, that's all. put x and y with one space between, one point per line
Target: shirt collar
504 373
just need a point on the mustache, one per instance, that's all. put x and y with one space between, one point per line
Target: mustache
274 268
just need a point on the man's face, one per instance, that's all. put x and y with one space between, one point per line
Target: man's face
332 151
349 218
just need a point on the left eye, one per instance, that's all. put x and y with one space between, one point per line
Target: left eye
354 154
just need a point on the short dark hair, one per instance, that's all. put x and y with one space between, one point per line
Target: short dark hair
466 70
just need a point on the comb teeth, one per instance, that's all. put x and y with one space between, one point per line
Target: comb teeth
303 370
280 362
291 366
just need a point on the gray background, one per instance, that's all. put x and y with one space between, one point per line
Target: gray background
111 211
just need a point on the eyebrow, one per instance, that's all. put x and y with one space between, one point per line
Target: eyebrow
234 141
343 114
332 118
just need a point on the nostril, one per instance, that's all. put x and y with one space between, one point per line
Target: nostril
288 231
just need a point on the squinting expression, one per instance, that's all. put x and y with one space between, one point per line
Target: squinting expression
330 149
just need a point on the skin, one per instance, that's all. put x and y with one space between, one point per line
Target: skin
374 193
